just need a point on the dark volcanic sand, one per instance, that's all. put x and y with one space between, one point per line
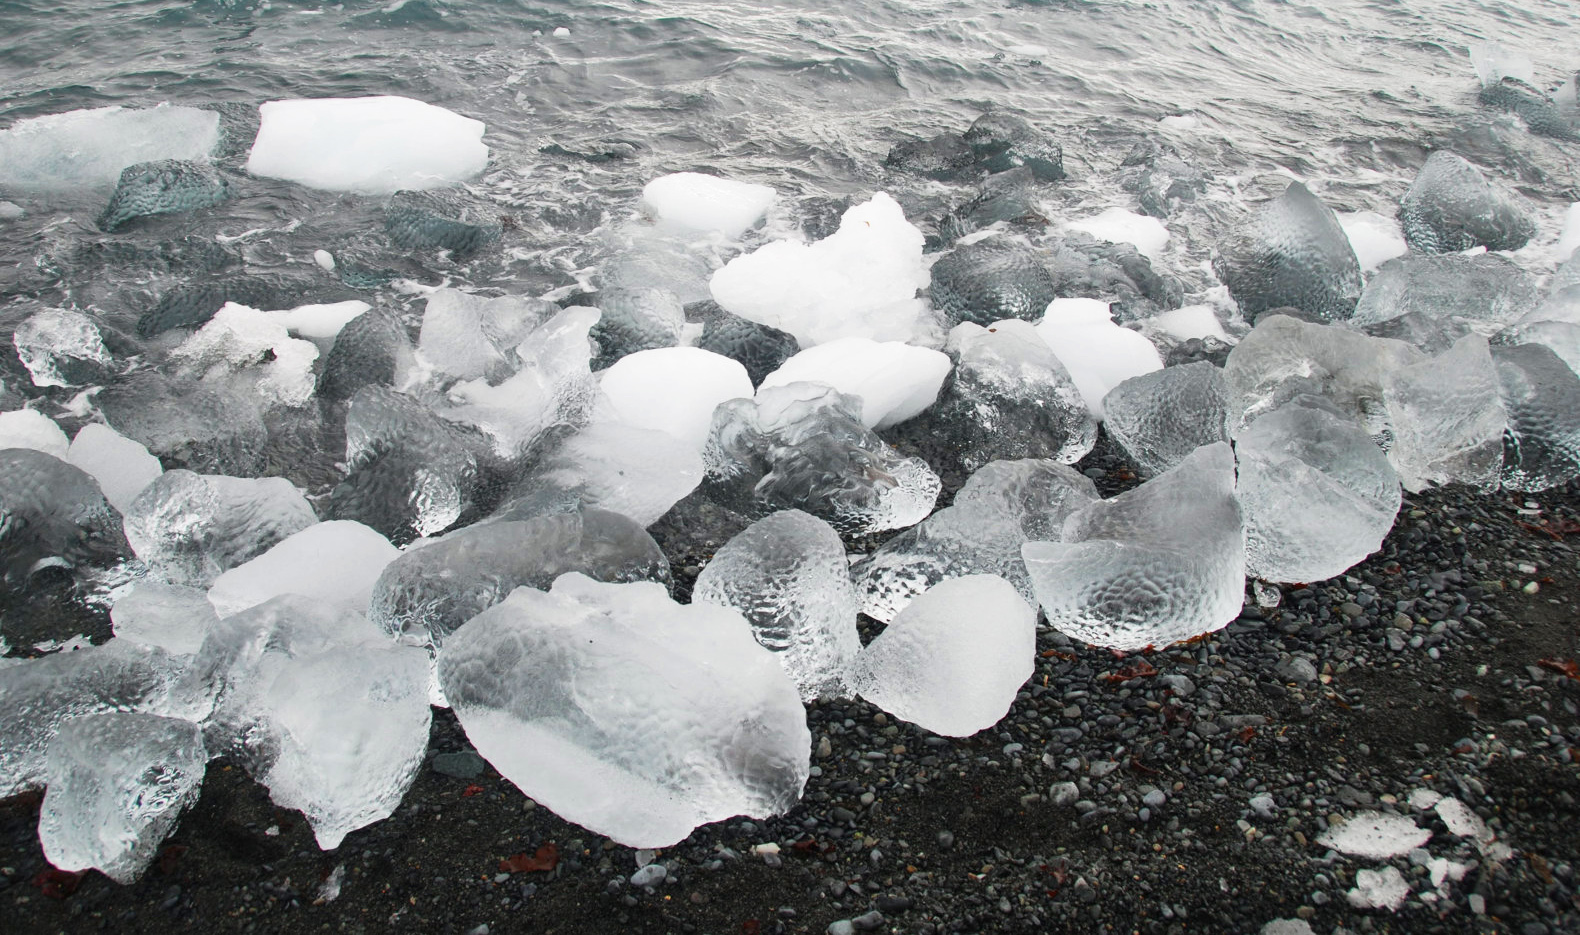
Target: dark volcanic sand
907 832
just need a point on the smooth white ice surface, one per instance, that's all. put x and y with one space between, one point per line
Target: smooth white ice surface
673 389
895 381
1375 835
1118 225
121 466
337 561
1099 354
1374 238
29 428
706 202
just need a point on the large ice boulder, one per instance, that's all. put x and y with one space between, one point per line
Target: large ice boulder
1451 207
896 381
1433 301
1448 420
1293 254
1098 353
1159 418
167 186
693 201
89 148
990 280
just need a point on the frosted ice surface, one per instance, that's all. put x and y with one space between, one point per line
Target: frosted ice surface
469 336
626 713
788 576
189 528
89 148
1375 835
1003 505
52 514
1432 301
1374 238
673 389
118 782
1294 253
1379 889
953 659
1317 494
1011 398
427 593
803 446
257 350
895 381
337 562
38 695
29 428
639 473
1118 225
860 281
1451 207
370 145
706 202
1192 321
1569 236
1160 563
121 466
1162 416
321 323
1448 421
990 280
172 617
1099 354
1541 395
61 348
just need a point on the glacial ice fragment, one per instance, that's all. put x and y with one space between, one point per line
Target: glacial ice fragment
60 347
1098 353
336 562
1375 239
895 381
172 617
990 280
698 202
31 429
758 348
1162 416
1433 301
167 186
636 319
372 349
89 148
639 473
1293 254
121 466
250 352
1452 207
469 336
1541 448
673 390
1448 421
52 514
1117 225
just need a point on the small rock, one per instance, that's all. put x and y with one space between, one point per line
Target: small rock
651 875
1063 793
1154 799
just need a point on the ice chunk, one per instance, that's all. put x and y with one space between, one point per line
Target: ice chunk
249 344
859 282
1011 398
626 713
1317 494
1560 337
803 446
1117 225
787 575
427 593
1374 238
1375 835
1432 301
1099 354
169 616
190 528
1493 63
758 348
372 349
1451 207
167 186
1379 889
89 148
196 425
1448 421
635 320
52 514
1541 395
321 323
674 390
31 429
121 466
1001 506
1162 416
61 348
1003 142
1569 236
469 336
336 562
38 695
953 659
1157 564
370 145
117 784
895 381
707 203
1191 322
1293 254
639 473
990 280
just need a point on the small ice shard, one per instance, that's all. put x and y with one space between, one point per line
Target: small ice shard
190 528
1099 354
639 473
1010 397
1374 238
953 659
1379 889
31 429
787 575
60 347
803 446
427 593
1196 322
1117 225
118 782
368 145
255 349
336 562
1293 254
626 713
758 348
859 282
1424 799
1160 563
1002 506
469 336
52 514
372 349
166 186
1569 236
1375 835
1541 395
321 324
990 280
674 390
1448 421
700 202
89 148
895 381
170 616
1160 417
122 467
1317 494
1432 301
1452 207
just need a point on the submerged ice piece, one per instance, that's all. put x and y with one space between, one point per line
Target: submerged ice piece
427 593
1433 301
1160 563
61 348
470 336
803 446
1294 254
118 782
1001 506
639 473
193 424
1010 397
1541 395
954 658
990 280
52 514
1317 494
372 349
758 348
894 381
1452 207
1004 142
636 319
1448 421
89 148
169 186
1160 417
787 575
627 713
698 202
